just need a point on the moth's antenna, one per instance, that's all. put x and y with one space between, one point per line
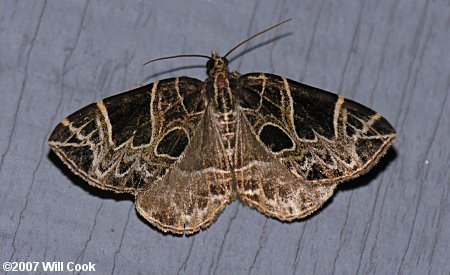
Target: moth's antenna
255 35
230 51
176 56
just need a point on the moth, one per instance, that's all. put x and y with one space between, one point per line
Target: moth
185 148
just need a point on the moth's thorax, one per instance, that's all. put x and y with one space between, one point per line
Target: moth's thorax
221 89
220 84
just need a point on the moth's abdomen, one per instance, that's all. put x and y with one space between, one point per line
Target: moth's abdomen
227 123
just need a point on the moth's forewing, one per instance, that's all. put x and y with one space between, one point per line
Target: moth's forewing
125 142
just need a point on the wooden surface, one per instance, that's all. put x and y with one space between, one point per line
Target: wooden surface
58 56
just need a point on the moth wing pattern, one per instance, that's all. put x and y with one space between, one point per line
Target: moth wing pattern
125 142
310 141
196 189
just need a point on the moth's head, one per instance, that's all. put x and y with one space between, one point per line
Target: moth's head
216 64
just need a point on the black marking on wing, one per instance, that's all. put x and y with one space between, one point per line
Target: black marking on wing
173 143
313 110
275 138
129 115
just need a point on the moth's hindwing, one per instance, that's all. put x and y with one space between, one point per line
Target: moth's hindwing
125 142
196 188
296 142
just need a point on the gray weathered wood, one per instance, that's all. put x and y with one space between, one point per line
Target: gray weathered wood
58 56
